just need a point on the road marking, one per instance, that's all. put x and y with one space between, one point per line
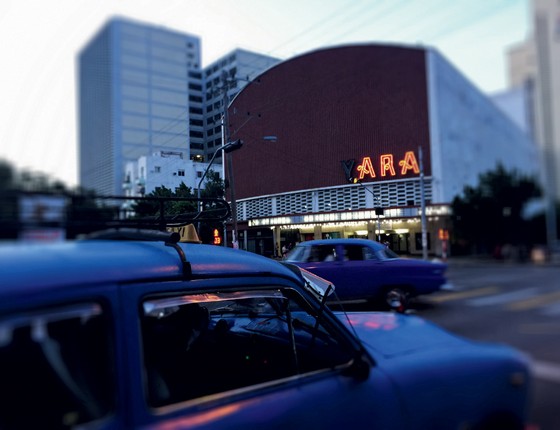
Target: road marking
467 294
534 302
546 370
501 299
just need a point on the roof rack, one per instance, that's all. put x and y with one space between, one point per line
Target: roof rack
80 214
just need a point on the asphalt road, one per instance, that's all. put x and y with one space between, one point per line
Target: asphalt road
515 304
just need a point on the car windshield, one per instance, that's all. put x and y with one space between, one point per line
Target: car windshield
386 254
299 253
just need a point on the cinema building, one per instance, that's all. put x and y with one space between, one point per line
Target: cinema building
354 141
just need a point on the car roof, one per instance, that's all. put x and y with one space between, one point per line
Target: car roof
32 267
364 242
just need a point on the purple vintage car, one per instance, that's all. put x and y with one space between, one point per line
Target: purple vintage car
367 270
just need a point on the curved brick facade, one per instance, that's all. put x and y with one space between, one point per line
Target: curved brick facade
326 107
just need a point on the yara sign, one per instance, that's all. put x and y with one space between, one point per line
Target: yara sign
366 168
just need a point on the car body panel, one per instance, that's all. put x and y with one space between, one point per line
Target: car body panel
419 356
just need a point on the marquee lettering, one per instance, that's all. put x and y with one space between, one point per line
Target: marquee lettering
409 163
366 168
386 166
386 162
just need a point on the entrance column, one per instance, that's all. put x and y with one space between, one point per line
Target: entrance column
371 231
317 232
277 241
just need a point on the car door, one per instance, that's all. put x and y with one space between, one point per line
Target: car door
325 260
365 272
253 356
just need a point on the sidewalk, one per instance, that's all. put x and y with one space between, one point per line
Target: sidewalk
464 261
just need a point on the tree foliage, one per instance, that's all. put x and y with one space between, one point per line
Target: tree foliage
6 175
490 214
214 188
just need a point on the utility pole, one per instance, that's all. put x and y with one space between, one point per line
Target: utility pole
423 207
225 132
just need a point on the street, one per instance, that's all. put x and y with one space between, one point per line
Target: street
515 304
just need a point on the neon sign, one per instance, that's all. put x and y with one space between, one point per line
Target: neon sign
367 169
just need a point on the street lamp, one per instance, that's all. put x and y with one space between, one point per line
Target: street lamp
376 200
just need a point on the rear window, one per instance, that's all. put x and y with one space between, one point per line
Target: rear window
56 368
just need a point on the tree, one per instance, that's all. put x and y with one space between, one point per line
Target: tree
490 214
6 175
214 188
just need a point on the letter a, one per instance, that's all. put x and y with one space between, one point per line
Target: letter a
366 168
409 163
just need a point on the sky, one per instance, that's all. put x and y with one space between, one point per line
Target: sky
39 41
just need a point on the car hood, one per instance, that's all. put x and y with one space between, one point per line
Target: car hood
392 334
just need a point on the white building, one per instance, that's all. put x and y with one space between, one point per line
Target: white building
164 168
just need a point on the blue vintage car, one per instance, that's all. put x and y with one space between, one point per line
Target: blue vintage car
158 334
365 270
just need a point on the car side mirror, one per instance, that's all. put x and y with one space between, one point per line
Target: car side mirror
358 369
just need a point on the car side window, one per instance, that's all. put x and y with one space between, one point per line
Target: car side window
322 253
355 253
369 254
206 344
56 368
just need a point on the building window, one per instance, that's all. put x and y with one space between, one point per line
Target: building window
157 169
181 173
199 174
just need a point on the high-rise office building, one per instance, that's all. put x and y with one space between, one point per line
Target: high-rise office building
140 92
534 65
227 76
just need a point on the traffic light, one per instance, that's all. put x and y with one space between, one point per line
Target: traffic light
217 237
